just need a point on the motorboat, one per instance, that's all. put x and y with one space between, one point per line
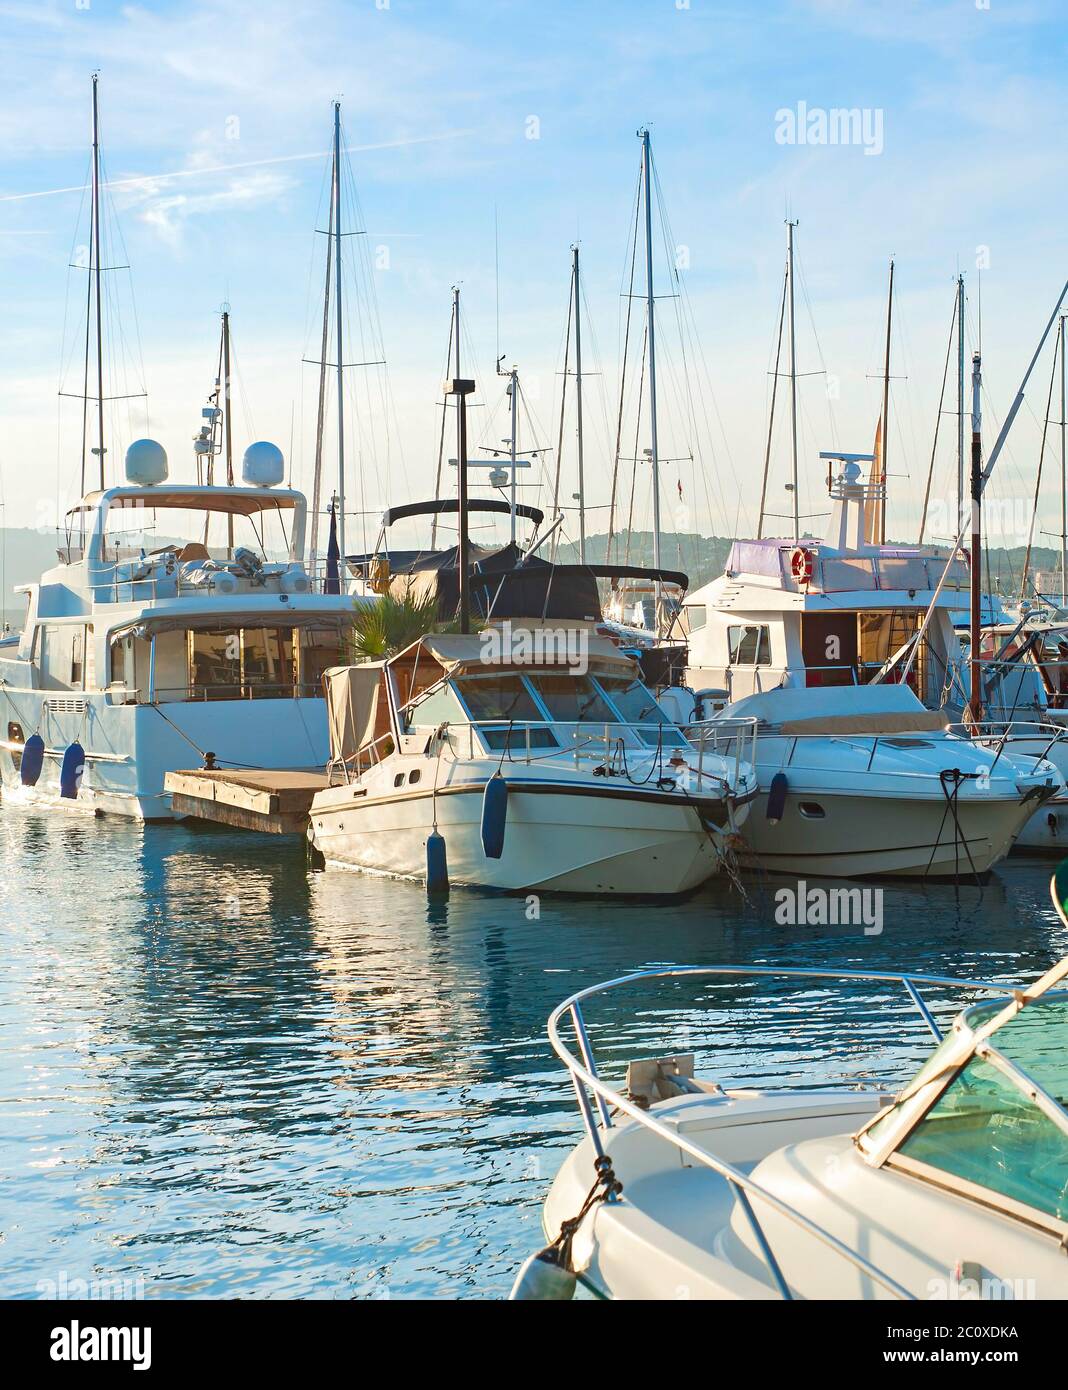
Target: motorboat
846 653
523 757
134 662
954 1186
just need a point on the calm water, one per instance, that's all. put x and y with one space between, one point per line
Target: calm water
223 1075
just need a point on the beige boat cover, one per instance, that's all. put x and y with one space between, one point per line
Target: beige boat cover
454 649
890 722
352 706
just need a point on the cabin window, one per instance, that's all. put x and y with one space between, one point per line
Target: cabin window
214 665
749 645
571 699
77 658
637 705
696 615
267 662
503 698
321 648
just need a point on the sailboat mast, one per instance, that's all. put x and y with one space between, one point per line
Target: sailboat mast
650 308
960 400
340 339
793 378
578 404
513 392
771 413
975 701
885 437
228 450
96 274
454 338
1064 482
320 419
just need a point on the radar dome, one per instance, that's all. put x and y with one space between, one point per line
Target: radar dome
146 462
263 464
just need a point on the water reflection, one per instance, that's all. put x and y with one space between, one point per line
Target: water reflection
230 1076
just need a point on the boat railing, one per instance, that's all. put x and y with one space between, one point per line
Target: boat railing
602 743
597 1098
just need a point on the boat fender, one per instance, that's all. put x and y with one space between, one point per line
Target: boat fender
494 816
542 1278
70 773
32 760
777 798
437 864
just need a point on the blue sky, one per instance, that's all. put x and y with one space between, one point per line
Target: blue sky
209 109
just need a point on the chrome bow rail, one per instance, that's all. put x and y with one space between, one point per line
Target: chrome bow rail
585 1079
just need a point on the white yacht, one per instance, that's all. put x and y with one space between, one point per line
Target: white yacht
134 662
464 764
954 1188
846 654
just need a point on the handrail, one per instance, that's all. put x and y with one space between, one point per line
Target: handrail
600 736
583 1073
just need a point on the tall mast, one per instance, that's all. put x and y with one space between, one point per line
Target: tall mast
340 339
975 701
771 413
321 414
886 410
960 401
513 392
793 377
227 433
1064 481
578 403
96 273
650 319
454 348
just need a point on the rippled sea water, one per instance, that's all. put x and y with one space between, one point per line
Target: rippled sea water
222 1075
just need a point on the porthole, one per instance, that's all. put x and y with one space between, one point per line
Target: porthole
414 775
398 781
811 810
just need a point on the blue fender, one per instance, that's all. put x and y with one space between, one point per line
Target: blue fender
32 760
494 816
70 774
777 798
437 864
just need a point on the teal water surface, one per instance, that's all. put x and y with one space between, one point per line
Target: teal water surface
222 1075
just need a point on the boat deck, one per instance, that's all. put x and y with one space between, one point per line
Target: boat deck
274 800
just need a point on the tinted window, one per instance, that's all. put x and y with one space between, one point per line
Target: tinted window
749 645
636 705
572 699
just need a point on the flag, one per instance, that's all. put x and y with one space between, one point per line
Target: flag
333 557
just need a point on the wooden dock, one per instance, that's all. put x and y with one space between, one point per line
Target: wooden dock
274 801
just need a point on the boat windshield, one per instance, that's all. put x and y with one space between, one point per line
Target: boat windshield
985 1130
503 697
572 699
637 705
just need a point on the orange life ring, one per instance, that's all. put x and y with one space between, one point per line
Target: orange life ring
802 565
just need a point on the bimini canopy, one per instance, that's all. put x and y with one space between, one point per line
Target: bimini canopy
505 584
352 694
236 501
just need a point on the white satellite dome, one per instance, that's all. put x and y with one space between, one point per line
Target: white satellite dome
146 462
263 464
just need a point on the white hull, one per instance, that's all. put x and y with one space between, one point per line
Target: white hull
868 836
130 748
557 839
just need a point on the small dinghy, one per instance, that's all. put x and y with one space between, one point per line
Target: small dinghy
955 1187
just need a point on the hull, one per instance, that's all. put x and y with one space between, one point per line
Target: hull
557 839
1047 829
130 748
866 836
